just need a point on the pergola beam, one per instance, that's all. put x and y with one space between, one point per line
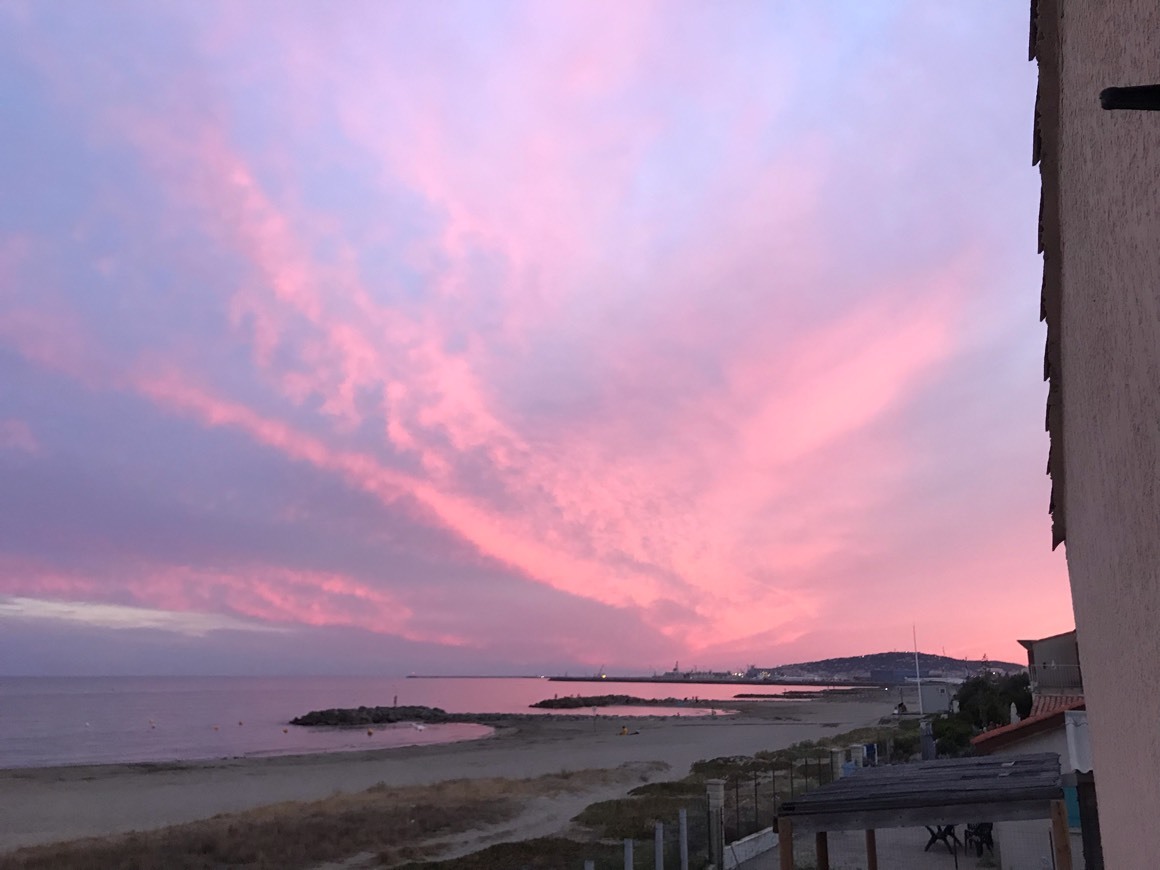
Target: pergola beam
959 814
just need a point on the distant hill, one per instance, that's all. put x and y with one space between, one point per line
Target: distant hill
883 667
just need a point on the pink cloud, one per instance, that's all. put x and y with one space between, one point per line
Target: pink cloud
18 435
266 593
490 533
624 346
592 510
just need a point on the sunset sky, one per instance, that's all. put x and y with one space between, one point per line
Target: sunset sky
511 337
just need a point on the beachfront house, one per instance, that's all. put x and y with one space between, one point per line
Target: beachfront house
937 696
1098 231
1056 724
1053 663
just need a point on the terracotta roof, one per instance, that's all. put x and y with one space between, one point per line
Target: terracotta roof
991 740
1044 38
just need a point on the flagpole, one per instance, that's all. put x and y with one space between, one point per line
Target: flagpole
917 672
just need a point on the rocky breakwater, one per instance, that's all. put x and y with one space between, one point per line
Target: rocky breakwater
576 702
353 717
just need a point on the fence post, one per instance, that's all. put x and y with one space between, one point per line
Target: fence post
628 855
683 819
737 806
716 793
659 847
756 815
589 865
776 797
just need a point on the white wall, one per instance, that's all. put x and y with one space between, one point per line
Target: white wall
936 697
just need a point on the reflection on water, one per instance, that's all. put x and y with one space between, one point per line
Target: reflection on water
52 721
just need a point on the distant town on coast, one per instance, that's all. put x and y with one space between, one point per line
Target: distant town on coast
882 669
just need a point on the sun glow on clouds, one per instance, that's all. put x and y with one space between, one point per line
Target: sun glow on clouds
119 616
607 313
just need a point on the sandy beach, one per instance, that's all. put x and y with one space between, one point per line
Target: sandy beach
46 805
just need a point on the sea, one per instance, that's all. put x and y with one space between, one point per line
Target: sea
52 721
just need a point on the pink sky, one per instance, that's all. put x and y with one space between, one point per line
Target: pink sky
511 337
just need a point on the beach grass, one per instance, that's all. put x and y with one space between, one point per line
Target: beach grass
391 822
544 853
630 818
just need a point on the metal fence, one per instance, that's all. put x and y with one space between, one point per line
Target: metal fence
679 844
754 788
754 793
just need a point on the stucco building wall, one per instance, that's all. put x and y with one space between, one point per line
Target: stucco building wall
1060 650
1108 178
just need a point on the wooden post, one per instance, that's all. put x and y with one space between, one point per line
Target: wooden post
1060 835
871 850
659 846
822 848
628 855
1089 822
785 843
683 818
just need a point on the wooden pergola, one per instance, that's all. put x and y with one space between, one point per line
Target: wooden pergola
949 792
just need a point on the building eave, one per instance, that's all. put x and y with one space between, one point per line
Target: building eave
1044 48
1028 644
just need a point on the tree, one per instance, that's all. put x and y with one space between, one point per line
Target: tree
986 700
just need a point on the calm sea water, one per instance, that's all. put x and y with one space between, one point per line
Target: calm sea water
69 720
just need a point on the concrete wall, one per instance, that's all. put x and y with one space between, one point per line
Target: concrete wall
1054 740
1109 199
748 848
1027 846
